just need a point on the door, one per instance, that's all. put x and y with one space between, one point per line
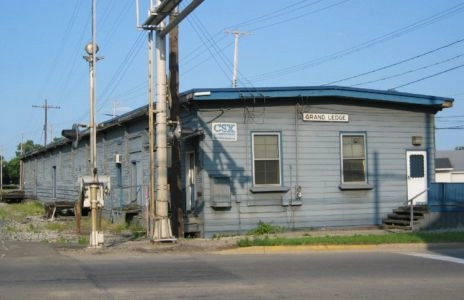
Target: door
190 181
417 176
54 182
136 183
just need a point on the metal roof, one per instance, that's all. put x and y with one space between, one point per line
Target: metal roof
391 96
456 158
443 163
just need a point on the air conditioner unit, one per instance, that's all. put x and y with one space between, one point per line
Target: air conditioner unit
118 158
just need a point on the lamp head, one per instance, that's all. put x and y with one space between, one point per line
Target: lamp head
89 48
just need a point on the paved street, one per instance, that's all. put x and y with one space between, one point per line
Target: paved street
37 271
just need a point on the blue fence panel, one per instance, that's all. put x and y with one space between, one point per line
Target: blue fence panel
446 197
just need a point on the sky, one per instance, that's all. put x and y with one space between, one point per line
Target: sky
414 46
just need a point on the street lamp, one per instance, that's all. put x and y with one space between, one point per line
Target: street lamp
96 237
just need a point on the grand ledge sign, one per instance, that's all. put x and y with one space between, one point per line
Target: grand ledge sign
319 117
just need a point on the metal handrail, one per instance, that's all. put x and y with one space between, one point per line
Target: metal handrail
411 210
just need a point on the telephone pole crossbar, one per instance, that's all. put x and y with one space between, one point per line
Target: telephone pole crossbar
45 107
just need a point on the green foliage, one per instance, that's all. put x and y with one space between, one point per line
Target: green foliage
20 211
27 147
11 167
11 171
368 239
265 228
83 240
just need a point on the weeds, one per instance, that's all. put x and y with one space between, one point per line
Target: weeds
265 228
83 240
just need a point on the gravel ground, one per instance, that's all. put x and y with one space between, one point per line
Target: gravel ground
40 229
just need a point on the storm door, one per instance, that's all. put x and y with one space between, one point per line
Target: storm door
417 176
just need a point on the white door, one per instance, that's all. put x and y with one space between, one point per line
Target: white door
417 176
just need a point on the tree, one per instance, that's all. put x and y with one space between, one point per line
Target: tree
11 168
11 171
28 147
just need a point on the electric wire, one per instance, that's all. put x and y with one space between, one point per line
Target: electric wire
428 77
280 12
409 71
293 18
396 64
121 70
208 44
362 46
64 39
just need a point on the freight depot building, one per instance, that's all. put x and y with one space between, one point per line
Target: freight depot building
297 157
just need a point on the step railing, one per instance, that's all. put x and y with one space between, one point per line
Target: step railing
411 208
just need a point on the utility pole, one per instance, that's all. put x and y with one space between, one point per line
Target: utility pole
45 107
237 35
175 178
162 226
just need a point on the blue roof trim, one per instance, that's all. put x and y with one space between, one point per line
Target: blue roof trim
314 91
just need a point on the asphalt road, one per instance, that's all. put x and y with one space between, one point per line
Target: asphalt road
38 271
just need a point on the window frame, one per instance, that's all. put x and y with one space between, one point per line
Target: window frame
279 148
354 184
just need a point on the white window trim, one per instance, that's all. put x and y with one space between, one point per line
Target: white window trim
353 184
279 141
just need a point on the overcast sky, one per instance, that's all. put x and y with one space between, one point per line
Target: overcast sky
412 46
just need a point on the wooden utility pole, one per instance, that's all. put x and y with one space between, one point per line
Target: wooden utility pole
175 178
45 107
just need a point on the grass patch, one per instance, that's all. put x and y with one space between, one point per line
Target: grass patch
60 227
83 240
368 239
19 211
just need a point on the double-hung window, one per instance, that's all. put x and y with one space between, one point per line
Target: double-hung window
353 149
266 158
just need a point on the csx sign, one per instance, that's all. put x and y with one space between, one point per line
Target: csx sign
224 131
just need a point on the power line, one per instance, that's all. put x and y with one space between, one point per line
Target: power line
427 77
202 37
291 19
397 63
410 71
286 10
393 34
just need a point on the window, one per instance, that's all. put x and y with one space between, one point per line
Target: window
416 166
266 159
354 158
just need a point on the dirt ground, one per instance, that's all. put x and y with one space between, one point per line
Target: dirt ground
41 229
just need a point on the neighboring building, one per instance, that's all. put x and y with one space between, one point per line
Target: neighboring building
449 166
297 157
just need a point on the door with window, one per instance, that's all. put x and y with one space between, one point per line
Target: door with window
417 176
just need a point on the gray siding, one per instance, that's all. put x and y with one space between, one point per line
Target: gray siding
311 158
128 140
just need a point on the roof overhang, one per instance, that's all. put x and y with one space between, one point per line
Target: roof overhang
389 96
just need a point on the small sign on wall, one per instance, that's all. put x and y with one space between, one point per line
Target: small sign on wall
318 117
224 131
